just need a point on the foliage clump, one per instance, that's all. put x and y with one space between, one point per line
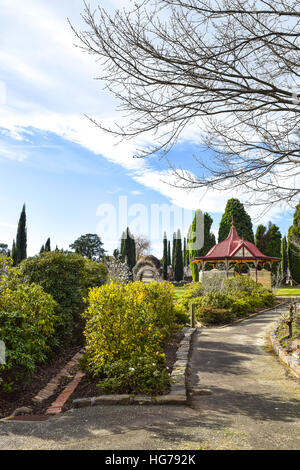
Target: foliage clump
27 325
67 277
126 326
220 300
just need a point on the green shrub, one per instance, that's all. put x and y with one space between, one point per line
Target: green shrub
191 291
160 297
27 324
181 316
136 375
126 323
215 300
66 276
95 274
214 316
242 283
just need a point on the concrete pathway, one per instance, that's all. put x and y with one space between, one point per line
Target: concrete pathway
254 404
254 398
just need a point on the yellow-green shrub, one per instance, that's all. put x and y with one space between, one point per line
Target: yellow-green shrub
213 316
127 321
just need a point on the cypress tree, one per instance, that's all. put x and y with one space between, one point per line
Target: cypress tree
184 252
128 250
48 245
284 259
42 249
268 241
169 253
208 242
242 221
178 262
13 253
260 238
21 239
173 250
294 246
165 258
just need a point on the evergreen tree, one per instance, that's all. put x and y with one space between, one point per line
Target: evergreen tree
268 241
184 253
42 249
209 241
273 241
173 250
128 250
89 245
260 238
294 246
21 239
165 258
13 253
169 253
284 259
242 221
48 245
178 262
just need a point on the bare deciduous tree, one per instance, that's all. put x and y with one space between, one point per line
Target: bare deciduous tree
142 246
230 68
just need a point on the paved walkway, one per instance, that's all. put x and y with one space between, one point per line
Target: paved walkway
254 404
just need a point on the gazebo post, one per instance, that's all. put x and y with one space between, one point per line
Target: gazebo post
256 266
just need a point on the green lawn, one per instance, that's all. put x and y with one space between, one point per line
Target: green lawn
287 291
178 291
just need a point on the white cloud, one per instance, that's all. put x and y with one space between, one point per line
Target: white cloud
49 86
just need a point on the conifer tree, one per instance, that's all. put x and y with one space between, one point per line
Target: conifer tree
294 246
48 245
128 250
235 210
284 259
260 238
13 253
209 240
21 239
165 258
178 262
173 250
169 253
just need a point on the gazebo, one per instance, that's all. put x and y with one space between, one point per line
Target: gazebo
235 252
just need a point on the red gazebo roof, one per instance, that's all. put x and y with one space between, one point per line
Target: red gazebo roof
235 248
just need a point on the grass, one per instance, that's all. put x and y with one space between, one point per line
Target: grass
178 292
287 291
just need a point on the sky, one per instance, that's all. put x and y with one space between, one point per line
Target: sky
73 178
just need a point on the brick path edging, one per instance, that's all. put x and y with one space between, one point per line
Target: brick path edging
178 392
282 354
53 385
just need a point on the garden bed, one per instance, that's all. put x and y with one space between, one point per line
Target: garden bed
24 392
88 388
282 333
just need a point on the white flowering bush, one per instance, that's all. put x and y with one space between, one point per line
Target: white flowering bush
118 270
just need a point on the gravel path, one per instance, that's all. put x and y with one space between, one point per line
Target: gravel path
253 403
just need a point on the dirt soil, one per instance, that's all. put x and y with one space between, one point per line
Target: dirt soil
24 391
88 388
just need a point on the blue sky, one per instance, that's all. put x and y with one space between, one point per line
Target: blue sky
53 159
